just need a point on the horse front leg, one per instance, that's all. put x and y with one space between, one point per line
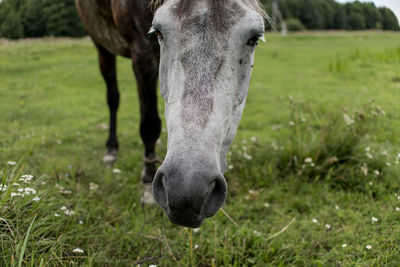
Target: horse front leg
108 71
145 67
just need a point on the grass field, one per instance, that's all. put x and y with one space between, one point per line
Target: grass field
314 177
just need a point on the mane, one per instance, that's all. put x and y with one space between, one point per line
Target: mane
184 6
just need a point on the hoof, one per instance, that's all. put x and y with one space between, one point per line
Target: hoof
110 157
148 198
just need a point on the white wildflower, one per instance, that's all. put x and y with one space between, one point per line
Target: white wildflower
20 190
364 169
36 199
374 219
369 156
69 212
344 245
196 246
376 172
370 183
347 119
59 187
308 160
3 188
368 149
15 184
333 160
116 171
66 192
314 220
328 226
12 163
368 247
397 209
267 205
388 164
337 207
253 139
27 176
80 222
291 123
256 233
230 167
13 194
196 230
56 214
93 187
152 265
384 153
77 250
29 191
63 208
247 156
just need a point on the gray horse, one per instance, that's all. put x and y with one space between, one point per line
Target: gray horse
202 51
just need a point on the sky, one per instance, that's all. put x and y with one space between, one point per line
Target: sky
394 5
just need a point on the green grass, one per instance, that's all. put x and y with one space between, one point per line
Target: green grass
329 97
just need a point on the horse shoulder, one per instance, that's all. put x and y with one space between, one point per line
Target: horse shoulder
98 18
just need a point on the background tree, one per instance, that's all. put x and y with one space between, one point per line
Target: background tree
33 18
339 17
373 18
37 18
11 27
389 19
63 19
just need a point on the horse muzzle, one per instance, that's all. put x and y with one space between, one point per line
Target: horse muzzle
187 196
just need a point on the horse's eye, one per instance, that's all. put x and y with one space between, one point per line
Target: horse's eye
155 32
253 41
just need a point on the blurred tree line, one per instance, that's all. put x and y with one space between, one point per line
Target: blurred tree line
37 18
328 14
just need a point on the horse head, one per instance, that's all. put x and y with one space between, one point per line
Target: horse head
206 58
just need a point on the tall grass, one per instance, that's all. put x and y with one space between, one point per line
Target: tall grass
342 64
328 146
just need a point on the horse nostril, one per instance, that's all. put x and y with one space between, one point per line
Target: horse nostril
160 191
215 198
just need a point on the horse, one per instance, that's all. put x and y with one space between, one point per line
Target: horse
202 52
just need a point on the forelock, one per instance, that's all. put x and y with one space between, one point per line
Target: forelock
183 7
